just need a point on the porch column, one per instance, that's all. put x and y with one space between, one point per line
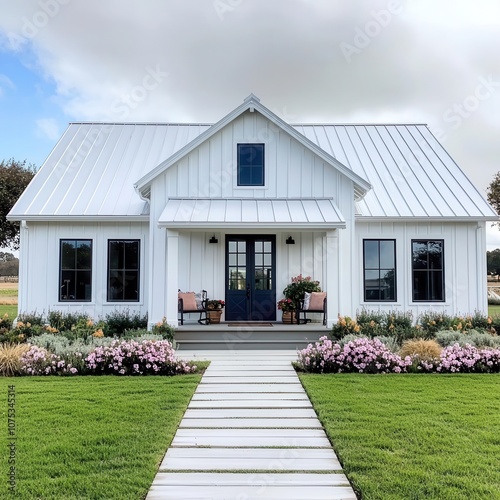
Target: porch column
172 278
333 289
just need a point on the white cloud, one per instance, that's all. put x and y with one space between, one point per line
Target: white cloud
414 67
48 127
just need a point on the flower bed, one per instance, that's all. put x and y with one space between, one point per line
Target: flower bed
364 355
120 357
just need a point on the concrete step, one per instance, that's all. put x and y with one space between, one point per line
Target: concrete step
250 423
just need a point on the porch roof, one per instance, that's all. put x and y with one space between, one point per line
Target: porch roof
235 213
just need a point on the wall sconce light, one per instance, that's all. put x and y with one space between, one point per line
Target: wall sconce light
290 241
213 239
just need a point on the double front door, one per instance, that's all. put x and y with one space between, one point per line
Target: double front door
250 278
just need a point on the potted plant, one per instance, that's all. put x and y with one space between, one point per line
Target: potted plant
287 309
214 307
298 287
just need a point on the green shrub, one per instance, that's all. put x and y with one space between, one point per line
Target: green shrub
446 338
65 347
390 342
164 329
345 326
62 321
118 322
34 319
474 338
5 323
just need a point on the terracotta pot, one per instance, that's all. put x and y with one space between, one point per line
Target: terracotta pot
288 317
214 316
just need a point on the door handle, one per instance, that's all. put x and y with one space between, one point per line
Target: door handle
248 291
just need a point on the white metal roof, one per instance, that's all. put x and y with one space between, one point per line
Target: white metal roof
412 175
90 174
235 213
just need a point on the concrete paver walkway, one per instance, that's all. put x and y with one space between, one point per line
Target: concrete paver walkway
250 433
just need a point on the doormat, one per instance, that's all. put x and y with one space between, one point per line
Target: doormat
249 324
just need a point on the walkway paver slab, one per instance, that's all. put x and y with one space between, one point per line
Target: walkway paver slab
281 459
252 403
235 413
221 396
248 388
266 423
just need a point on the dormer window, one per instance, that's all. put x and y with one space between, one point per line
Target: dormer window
250 164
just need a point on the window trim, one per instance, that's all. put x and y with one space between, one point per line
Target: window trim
108 271
59 296
443 287
371 301
250 186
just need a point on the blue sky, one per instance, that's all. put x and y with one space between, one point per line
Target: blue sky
30 120
371 61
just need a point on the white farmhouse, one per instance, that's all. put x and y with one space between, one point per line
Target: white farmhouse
123 215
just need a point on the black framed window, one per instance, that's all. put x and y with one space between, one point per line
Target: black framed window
250 164
123 270
75 271
428 270
379 267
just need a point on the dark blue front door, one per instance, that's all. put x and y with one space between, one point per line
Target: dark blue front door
250 278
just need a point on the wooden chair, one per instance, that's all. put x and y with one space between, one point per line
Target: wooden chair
186 304
314 309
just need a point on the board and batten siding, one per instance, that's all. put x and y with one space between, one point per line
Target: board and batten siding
291 170
464 265
39 265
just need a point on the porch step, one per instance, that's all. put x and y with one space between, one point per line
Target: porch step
223 337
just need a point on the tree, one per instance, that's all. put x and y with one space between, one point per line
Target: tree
493 193
493 261
9 264
14 177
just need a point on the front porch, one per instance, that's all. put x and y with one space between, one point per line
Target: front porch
225 337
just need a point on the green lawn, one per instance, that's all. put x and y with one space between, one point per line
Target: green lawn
10 310
91 437
494 310
413 436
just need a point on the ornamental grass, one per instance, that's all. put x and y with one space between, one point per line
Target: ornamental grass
10 358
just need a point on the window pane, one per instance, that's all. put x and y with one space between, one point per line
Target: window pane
232 259
67 286
131 255
436 285
242 246
131 290
258 246
267 246
83 285
371 254
83 255
420 285
419 249
259 261
232 246
435 255
115 286
115 255
387 259
242 258
68 254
